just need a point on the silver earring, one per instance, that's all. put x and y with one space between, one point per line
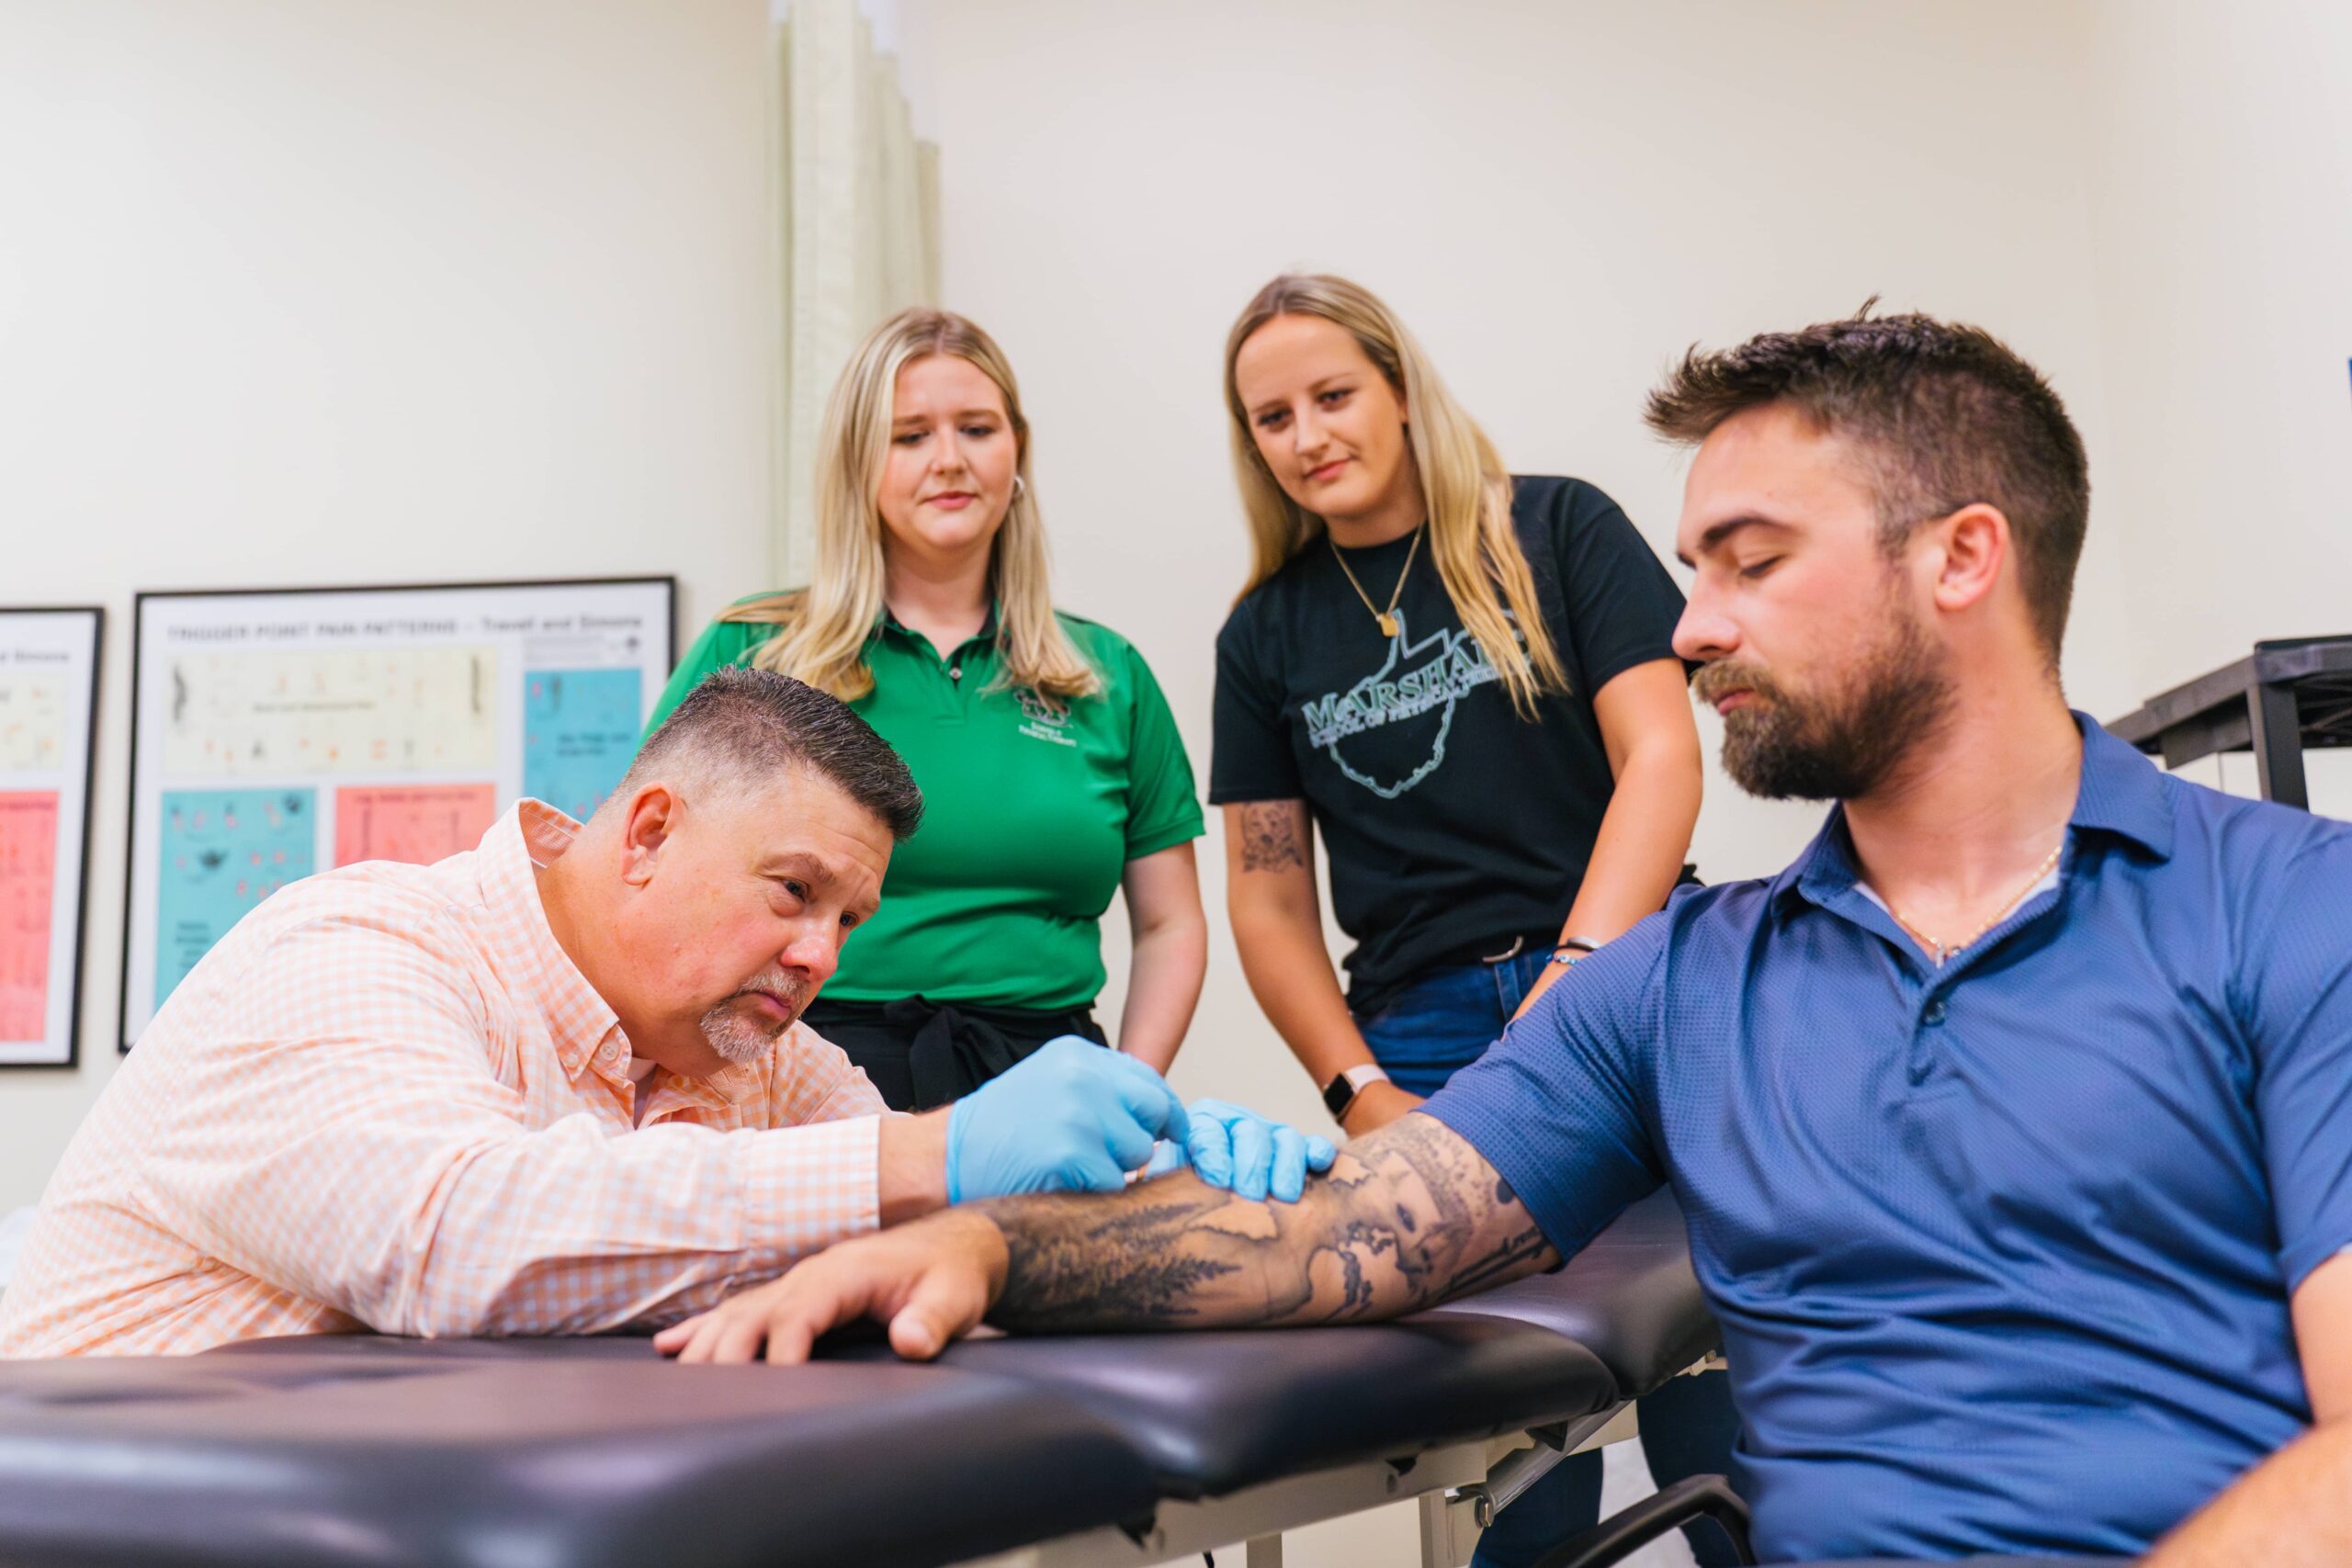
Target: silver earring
1020 487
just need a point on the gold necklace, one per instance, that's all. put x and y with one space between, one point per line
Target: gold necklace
1941 951
1387 618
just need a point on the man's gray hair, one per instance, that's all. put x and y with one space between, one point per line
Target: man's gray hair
742 726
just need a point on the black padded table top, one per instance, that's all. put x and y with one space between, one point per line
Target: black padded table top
567 1455
1209 1413
1214 1412
1628 1297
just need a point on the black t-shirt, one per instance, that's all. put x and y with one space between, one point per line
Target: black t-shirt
1452 824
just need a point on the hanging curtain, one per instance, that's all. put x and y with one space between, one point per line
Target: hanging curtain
856 199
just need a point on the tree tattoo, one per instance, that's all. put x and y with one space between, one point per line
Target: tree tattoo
1410 1216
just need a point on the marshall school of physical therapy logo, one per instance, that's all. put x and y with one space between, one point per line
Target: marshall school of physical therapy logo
1406 705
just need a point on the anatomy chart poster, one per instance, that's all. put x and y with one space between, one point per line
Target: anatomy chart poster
48 671
281 733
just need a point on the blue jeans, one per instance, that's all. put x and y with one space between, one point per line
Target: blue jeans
1442 1022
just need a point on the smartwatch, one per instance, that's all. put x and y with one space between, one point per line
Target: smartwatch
1341 1091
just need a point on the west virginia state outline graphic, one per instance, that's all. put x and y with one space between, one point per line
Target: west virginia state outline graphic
1457 667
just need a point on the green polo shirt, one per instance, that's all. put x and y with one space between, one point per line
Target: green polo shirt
1032 811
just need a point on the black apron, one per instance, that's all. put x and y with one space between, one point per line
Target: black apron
921 1053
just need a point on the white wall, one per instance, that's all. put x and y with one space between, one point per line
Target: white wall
2222 171
299 293
305 293
1558 198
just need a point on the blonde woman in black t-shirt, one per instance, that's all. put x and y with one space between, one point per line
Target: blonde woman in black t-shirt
1466 683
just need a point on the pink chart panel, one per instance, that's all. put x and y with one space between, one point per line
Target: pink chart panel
28 884
415 823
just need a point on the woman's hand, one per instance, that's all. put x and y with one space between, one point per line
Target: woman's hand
1376 1105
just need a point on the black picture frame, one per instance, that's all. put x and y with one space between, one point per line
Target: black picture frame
98 614
667 581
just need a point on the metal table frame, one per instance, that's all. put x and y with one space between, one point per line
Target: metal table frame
2288 696
1459 1488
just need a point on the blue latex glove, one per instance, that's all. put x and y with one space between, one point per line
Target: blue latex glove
1232 1146
1072 1117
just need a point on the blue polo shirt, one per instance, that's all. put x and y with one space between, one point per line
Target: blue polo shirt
2002 1251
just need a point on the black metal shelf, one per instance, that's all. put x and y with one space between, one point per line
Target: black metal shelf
2290 696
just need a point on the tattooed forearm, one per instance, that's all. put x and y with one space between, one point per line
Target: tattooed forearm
1273 834
1410 1216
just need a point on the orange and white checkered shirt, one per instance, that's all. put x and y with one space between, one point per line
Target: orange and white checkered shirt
388 1099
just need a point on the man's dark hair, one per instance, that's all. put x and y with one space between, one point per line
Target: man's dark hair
742 725
1945 416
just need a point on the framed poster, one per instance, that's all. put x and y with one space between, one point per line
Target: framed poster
279 732
48 698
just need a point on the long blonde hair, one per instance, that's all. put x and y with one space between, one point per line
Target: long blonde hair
822 629
1465 490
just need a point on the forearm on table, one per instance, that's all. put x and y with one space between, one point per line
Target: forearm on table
1410 1216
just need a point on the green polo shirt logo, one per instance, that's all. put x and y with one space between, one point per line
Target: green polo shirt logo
1045 719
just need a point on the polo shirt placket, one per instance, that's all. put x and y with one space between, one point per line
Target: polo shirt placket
1831 884
951 680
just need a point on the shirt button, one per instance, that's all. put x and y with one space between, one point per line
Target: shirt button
1934 1014
955 671
608 1053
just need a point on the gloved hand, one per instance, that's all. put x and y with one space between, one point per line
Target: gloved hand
1232 1146
1072 1117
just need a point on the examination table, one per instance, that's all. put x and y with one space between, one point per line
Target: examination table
357 1452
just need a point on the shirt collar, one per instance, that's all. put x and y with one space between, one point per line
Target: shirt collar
986 634
2121 793
729 1085
535 833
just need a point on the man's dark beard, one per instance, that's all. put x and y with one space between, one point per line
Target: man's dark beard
1836 746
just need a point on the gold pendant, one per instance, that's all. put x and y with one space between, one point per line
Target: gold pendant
1388 625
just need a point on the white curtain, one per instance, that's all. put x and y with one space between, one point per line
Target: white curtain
855 199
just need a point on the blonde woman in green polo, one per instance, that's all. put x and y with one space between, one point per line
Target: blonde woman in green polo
1052 773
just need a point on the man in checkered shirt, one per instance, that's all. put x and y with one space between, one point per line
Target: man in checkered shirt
554 1085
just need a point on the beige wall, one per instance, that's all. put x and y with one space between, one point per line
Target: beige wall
365 291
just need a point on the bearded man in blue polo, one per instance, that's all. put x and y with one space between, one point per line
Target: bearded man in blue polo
2012 1122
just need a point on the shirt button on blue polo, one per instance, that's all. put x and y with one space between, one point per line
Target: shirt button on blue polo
1934 1013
